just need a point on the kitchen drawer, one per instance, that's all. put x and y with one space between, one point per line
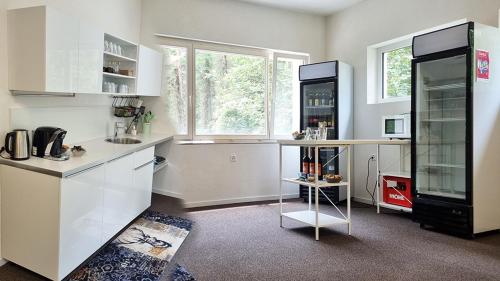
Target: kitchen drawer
144 156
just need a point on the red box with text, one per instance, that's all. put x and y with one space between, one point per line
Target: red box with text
397 191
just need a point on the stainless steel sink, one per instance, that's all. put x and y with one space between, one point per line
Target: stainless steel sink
123 140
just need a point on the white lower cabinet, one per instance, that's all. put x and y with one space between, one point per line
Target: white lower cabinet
143 181
81 217
117 195
51 225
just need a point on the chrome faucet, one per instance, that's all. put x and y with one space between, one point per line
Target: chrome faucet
118 126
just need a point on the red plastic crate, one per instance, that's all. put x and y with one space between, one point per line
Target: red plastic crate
397 190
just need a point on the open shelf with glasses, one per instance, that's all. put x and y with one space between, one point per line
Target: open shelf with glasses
119 65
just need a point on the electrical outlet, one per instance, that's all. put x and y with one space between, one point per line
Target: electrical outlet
233 157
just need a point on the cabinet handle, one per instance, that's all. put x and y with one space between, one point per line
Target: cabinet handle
118 158
143 165
83 171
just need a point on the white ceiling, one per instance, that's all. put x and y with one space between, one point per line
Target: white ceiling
323 7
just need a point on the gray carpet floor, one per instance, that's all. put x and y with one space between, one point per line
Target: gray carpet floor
246 243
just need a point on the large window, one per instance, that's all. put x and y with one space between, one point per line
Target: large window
397 73
286 95
223 91
230 94
388 67
175 87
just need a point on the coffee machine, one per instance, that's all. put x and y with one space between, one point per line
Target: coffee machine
47 143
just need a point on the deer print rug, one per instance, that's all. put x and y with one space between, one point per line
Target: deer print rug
141 252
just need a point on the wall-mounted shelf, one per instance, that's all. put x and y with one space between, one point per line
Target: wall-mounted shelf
399 174
117 75
118 57
395 207
160 166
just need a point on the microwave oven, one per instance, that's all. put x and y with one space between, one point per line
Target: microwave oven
396 126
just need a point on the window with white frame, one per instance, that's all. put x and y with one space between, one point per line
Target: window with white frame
230 94
388 66
395 71
223 91
286 94
175 87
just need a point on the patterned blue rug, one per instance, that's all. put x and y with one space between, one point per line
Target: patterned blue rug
140 253
181 274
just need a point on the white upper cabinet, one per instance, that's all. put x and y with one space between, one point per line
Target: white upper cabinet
149 72
53 52
90 59
43 50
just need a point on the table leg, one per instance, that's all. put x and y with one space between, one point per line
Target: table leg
317 213
316 195
310 198
349 227
281 185
378 179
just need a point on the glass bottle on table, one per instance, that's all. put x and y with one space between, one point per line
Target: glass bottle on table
319 168
305 162
312 161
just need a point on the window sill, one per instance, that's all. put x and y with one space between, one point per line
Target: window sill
224 141
392 100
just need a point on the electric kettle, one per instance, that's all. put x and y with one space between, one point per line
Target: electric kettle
17 144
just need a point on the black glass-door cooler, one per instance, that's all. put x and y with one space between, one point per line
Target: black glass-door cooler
327 97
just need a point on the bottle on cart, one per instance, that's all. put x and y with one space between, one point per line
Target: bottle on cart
319 167
305 162
312 161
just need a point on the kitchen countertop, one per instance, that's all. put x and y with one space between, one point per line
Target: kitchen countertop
98 151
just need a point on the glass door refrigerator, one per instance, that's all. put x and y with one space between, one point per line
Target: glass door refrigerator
455 124
326 91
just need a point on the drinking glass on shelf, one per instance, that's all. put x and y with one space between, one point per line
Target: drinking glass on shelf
119 50
316 134
322 131
106 46
116 67
309 133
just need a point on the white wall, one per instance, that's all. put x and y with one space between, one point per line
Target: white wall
120 17
204 173
351 31
235 22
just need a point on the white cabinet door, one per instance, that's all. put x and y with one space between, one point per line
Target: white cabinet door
143 181
80 217
149 72
90 59
61 51
119 198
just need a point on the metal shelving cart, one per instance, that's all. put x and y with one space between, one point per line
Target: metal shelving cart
314 217
400 174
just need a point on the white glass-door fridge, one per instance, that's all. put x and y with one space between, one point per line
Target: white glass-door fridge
455 123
